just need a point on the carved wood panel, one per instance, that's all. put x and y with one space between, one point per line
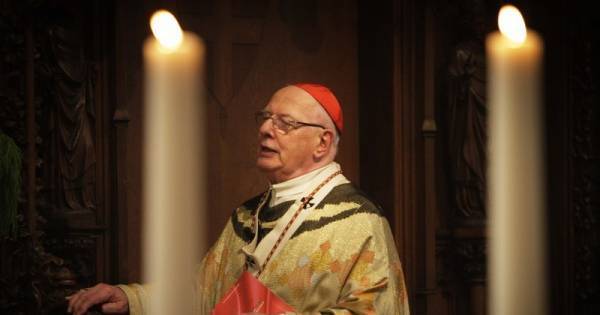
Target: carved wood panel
64 234
575 228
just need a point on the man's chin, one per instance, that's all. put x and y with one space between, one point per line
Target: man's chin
266 166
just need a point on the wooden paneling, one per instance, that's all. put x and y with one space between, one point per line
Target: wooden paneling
66 241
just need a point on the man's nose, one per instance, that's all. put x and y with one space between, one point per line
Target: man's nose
266 128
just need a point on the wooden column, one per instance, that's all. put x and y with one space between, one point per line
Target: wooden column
407 144
429 131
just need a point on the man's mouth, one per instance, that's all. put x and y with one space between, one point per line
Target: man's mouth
266 150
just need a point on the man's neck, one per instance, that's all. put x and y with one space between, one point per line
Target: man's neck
296 187
277 177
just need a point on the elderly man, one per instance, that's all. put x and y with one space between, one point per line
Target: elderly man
312 238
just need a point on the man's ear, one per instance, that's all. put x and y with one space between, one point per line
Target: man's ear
325 143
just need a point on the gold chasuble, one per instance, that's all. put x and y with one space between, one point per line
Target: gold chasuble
338 256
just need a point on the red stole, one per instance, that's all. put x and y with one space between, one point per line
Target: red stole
249 295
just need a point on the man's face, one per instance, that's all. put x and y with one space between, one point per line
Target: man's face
281 155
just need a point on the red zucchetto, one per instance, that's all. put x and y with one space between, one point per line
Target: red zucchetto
327 99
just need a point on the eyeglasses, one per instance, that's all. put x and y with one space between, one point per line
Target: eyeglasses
283 123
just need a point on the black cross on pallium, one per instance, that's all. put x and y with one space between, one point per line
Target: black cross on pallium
308 204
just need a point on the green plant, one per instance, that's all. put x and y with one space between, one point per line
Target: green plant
10 184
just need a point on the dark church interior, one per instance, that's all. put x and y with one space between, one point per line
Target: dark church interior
411 78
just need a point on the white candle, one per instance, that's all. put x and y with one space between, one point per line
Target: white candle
174 167
516 175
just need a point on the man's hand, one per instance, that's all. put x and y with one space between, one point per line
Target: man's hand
111 299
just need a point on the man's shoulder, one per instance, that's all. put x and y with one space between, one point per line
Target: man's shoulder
350 193
343 206
251 204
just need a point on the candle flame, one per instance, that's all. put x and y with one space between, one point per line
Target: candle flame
512 24
166 30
